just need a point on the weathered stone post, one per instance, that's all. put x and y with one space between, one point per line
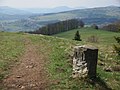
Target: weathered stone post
85 61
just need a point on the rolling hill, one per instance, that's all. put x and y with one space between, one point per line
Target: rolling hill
85 33
110 12
99 16
48 10
11 14
13 11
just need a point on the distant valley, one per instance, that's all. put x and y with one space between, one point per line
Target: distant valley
29 20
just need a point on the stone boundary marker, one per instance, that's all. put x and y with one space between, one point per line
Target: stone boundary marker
85 61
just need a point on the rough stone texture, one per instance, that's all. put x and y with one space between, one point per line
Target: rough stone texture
85 61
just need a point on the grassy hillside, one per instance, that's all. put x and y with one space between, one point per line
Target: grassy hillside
104 37
97 14
107 58
11 48
56 51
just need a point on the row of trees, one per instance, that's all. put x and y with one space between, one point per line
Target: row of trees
114 27
58 27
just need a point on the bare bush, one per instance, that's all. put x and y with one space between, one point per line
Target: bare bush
93 39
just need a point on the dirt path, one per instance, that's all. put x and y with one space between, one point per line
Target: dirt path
30 73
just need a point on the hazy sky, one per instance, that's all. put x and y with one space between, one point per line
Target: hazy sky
56 3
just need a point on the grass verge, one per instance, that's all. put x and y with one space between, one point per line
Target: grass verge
11 47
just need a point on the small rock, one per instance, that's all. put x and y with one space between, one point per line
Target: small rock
18 76
22 87
106 79
107 69
32 85
31 66
13 85
110 58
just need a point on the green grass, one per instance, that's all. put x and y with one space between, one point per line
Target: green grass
11 47
56 51
104 37
106 54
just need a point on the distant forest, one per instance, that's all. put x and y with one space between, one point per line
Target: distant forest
114 27
67 25
58 27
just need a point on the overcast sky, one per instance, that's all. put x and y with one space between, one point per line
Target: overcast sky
56 3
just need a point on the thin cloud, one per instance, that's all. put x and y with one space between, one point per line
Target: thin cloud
56 3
